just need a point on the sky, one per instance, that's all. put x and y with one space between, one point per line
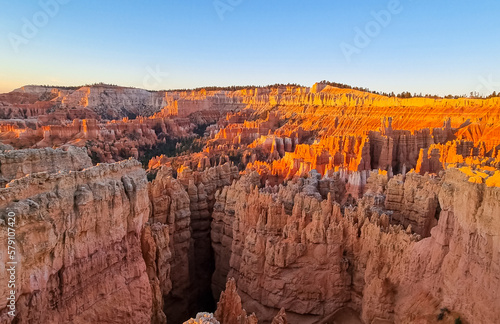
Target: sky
437 47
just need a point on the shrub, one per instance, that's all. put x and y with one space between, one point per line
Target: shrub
441 314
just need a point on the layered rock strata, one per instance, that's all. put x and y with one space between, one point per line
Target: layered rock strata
19 163
230 311
326 221
201 187
105 141
170 206
321 258
78 242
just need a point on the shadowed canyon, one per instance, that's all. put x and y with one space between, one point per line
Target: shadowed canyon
279 204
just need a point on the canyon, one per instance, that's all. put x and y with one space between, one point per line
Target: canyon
279 204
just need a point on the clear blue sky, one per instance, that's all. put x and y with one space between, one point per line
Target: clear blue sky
428 46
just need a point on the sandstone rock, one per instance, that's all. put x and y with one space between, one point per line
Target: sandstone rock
201 187
325 221
280 318
229 310
170 205
78 246
157 256
319 259
19 163
203 318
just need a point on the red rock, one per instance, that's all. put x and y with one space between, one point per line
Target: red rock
229 310
78 237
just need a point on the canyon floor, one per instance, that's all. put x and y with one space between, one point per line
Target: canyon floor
279 204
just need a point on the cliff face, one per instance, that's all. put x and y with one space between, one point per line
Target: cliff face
345 124
78 246
319 259
111 102
331 204
106 141
201 187
155 246
170 206
467 236
19 163
186 204
413 200
230 311
114 102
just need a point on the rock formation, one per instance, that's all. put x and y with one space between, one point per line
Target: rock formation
230 311
78 240
155 241
185 204
276 119
229 308
318 258
203 318
324 205
19 163
170 206
201 187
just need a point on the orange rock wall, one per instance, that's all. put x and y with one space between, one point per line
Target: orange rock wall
78 241
321 258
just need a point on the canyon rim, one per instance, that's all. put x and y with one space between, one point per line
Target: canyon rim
182 162
279 204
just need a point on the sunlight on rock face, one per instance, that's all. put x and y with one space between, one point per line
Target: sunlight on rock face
274 204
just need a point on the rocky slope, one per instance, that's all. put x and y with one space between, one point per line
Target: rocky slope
186 204
78 240
19 163
319 257
324 205
112 122
114 102
343 122
230 311
108 141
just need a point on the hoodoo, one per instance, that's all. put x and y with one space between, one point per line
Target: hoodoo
279 204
